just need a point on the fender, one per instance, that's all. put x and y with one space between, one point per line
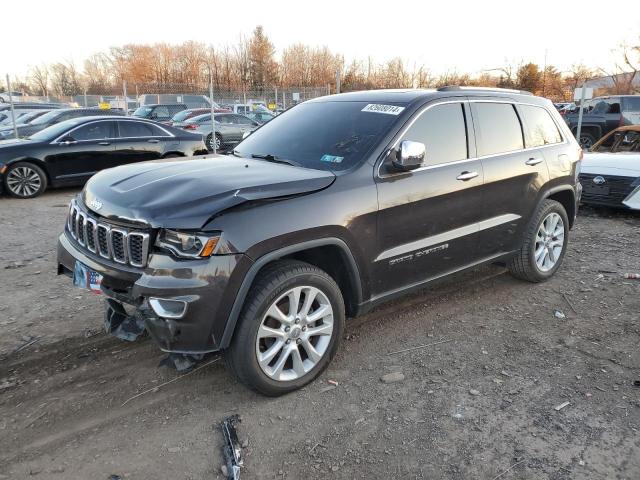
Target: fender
563 188
232 320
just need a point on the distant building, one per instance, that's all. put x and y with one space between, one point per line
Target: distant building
609 81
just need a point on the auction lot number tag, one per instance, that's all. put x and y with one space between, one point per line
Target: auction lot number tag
388 109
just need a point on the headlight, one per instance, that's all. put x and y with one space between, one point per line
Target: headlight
188 245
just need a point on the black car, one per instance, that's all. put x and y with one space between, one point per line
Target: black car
331 208
601 115
53 117
69 152
159 113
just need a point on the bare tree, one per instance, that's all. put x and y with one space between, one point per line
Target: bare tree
40 79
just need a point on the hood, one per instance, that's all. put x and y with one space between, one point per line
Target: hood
618 164
186 194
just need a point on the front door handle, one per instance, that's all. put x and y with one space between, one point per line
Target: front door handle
533 161
153 140
104 143
465 176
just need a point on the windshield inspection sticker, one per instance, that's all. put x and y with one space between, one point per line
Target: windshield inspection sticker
388 109
331 159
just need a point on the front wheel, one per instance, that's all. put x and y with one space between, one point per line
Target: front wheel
25 180
218 142
289 330
544 245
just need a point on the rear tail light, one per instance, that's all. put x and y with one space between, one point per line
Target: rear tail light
190 126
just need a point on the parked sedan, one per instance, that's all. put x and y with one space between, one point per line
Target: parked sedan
52 118
230 129
179 119
610 172
260 116
69 152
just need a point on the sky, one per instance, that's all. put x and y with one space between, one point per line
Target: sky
458 35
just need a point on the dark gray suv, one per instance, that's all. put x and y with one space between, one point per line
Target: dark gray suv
328 210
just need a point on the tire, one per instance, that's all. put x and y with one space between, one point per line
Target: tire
25 180
218 143
285 370
533 263
586 140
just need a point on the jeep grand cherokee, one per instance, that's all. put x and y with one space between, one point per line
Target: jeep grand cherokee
333 207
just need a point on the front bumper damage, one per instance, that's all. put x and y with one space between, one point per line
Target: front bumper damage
205 287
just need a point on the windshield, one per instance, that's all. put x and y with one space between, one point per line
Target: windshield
54 131
321 135
142 112
46 118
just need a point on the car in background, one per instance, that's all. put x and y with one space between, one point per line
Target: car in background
260 116
51 118
190 100
15 96
230 129
602 115
179 119
610 172
25 107
162 113
24 118
70 152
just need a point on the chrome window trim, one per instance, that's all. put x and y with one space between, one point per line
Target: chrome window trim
114 119
462 100
57 140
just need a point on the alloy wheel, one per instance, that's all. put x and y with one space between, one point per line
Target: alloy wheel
295 333
549 242
23 181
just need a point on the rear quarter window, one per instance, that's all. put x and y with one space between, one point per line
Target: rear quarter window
631 104
539 127
497 128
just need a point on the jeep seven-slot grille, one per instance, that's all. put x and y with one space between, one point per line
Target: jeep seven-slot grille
122 245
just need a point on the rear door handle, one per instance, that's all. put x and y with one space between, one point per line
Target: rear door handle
153 140
465 176
104 143
533 161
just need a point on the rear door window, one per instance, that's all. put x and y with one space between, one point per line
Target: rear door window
539 127
443 131
135 130
497 127
631 104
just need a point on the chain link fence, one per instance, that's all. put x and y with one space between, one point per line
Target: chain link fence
130 97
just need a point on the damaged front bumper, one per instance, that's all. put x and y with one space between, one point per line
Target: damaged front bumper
183 305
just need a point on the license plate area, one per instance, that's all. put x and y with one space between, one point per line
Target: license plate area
86 278
601 190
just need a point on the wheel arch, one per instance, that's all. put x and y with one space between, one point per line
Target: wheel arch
566 197
328 254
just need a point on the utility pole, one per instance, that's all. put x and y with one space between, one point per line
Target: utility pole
582 95
213 111
126 104
13 112
338 81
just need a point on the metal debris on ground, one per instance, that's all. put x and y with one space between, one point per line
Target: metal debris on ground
180 361
232 451
561 406
559 314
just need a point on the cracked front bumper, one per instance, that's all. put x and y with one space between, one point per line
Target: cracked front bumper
207 287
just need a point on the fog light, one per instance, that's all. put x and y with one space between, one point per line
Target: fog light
166 308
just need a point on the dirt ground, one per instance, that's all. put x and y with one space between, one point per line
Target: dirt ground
482 402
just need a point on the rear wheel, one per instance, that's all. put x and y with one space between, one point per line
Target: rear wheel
25 180
586 140
544 245
289 330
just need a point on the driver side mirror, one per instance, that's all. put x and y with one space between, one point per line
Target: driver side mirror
410 155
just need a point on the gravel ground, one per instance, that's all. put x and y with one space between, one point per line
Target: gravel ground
481 401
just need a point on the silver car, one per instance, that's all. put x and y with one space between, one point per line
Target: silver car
230 129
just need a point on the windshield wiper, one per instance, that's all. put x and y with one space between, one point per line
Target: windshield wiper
272 158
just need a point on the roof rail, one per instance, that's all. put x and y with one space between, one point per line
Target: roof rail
453 88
